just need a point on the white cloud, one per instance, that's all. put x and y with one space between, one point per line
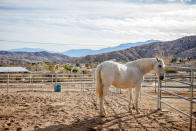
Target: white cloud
92 22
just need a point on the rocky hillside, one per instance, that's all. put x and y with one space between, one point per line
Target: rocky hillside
32 57
184 47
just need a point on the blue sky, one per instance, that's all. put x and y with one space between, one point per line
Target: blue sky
94 24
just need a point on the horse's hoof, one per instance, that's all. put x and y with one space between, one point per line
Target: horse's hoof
102 114
138 112
129 109
133 107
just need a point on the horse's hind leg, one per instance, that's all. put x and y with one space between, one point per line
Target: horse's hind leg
101 100
137 91
130 99
102 111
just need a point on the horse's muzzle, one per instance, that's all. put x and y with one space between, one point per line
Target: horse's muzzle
161 77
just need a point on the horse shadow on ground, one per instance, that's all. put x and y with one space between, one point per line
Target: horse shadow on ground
113 122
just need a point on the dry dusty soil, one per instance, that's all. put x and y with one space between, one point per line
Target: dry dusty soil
42 110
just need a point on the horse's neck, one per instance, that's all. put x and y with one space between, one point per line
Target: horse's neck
146 66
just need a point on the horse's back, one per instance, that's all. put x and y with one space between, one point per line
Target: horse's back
111 66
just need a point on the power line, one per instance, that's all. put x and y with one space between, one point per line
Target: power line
48 43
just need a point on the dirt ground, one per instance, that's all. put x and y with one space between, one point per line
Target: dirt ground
45 110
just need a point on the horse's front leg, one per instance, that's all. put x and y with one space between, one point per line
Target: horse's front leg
130 98
137 92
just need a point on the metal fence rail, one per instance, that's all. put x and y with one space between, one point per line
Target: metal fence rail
36 79
48 78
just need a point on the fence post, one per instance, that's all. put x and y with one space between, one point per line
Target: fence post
190 79
165 82
83 80
32 78
191 98
94 81
155 83
8 81
159 95
29 78
56 78
52 78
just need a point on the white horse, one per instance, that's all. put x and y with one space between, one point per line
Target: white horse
125 76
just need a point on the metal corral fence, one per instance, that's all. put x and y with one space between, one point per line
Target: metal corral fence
46 80
176 78
13 82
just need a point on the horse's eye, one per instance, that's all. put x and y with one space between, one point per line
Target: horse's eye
160 66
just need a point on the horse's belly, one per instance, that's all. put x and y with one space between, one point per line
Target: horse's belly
123 86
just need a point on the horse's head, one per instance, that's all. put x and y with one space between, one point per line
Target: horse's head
159 68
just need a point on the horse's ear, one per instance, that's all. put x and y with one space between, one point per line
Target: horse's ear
157 59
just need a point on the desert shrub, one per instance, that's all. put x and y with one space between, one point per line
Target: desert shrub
68 67
87 65
51 68
75 70
173 60
85 71
78 64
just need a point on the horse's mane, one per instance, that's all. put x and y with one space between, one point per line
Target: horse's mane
144 64
142 61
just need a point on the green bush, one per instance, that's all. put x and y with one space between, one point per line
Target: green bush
68 67
75 70
174 60
78 64
85 71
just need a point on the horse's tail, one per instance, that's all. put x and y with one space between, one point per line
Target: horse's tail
99 85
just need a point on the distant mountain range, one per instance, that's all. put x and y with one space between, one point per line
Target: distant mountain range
184 47
85 52
16 57
27 50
